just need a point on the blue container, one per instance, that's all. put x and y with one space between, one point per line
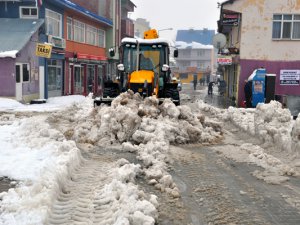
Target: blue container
258 87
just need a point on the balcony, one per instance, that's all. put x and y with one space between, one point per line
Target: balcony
127 27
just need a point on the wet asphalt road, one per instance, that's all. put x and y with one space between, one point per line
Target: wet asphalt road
217 190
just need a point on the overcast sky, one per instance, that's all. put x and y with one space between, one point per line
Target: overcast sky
176 14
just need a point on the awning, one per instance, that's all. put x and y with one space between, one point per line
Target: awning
91 57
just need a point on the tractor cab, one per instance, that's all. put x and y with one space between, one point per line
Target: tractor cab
144 67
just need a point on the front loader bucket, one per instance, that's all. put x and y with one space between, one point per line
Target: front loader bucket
100 100
111 90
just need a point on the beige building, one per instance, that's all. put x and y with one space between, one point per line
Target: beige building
140 26
262 33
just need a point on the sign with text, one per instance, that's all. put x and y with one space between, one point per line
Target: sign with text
289 77
230 19
43 50
224 60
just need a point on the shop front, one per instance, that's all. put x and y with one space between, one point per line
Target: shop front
85 73
54 68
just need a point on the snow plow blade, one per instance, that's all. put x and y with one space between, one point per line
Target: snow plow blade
98 101
176 102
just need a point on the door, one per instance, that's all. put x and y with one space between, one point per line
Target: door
90 79
22 76
19 82
78 80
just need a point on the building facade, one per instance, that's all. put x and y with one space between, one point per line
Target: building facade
140 26
194 60
78 38
19 65
266 34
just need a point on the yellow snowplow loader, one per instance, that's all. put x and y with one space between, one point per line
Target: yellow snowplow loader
144 69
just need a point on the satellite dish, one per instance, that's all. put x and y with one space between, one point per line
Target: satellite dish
219 41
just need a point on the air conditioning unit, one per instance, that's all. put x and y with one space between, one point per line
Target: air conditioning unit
57 42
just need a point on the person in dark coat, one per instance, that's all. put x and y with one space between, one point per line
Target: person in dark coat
248 93
210 87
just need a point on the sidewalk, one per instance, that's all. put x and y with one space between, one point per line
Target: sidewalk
217 100
202 93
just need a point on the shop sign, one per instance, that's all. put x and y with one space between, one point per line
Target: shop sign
230 19
289 77
43 50
224 60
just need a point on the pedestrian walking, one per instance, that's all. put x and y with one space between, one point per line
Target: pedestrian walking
210 87
195 81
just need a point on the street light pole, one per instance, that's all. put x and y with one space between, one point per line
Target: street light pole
170 28
166 29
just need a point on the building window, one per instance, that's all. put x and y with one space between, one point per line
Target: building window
91 35
286 26
22 72
186 53
53 23
28 12
70 31
200 52
79 31
101 38
186 63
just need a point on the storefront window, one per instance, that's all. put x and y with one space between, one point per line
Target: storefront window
90 78
54 75
77 74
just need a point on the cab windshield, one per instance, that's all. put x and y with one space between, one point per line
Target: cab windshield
149 57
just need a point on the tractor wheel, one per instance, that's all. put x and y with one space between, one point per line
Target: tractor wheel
173 94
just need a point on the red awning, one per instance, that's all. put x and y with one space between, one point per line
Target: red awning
91 57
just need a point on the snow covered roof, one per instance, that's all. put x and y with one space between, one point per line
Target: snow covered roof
146 41
73 6
204 36
194 45
15 34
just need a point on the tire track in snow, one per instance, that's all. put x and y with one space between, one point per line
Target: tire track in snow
79 201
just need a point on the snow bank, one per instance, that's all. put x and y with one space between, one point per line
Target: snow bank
40 159
269 122
296 136
126 204
146 128
273 125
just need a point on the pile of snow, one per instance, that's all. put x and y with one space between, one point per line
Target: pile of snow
52 104
127 204
9 104
41 159
273 124
296 137
146 128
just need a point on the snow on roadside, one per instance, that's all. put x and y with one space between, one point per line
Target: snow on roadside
274 126
41 160
147 129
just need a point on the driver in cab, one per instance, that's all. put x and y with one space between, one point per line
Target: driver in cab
145 63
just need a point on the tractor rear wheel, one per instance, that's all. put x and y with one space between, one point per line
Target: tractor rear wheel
173 94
